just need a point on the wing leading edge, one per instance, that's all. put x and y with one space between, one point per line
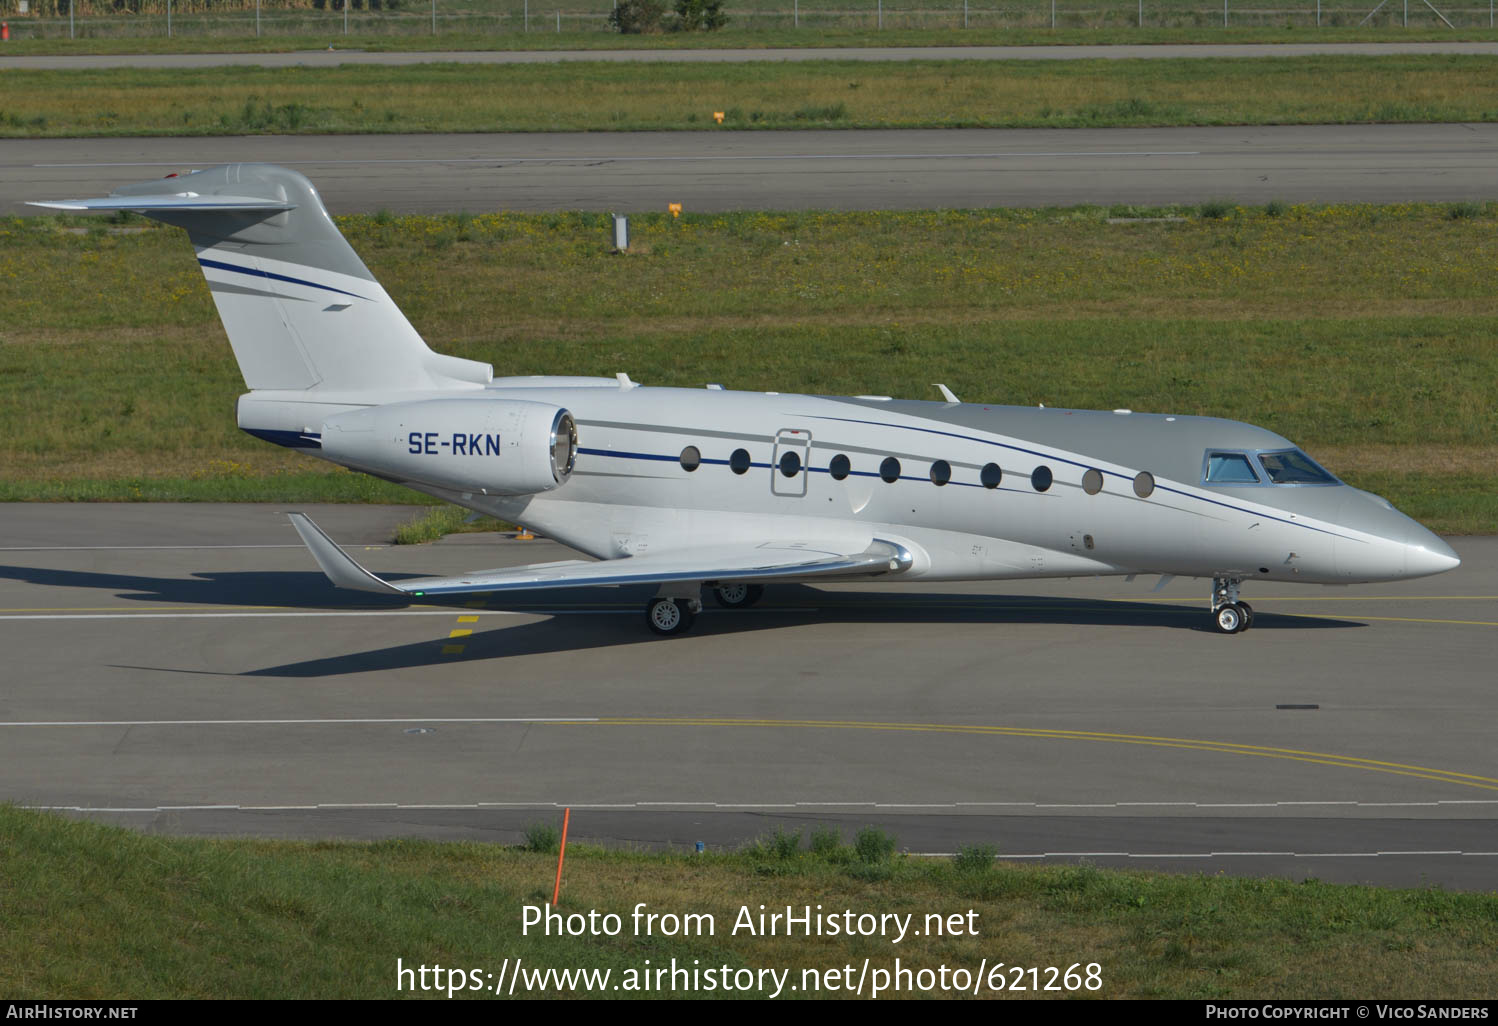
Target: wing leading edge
718 563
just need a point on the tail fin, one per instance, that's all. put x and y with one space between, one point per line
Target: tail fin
300 308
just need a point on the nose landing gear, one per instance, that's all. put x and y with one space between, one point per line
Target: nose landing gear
1229 614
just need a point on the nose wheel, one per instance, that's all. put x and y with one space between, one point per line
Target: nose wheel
1229 614
669 617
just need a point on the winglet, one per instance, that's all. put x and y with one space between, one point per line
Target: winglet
337 564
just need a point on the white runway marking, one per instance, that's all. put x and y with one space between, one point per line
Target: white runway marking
446 611
1454 853
649 805
1207 854
130 548
646 158
452 611
279 723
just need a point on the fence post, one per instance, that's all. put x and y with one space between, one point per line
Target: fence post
881 13
1053 13
169 19
964 13
434 17
1224 13
1141 13
71 34
345 16
527 9
257 19
559 21
795 14
1318 13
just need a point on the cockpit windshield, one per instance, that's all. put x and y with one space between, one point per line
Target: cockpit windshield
1291 466
1238 467
1230 468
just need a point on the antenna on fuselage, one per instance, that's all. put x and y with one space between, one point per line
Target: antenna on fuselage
946 393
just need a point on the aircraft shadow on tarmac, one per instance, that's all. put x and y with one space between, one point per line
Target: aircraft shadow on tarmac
610 617
599 619
568 632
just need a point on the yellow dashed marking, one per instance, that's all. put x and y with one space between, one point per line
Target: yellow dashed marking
468 619
452 649
459 632
1223 747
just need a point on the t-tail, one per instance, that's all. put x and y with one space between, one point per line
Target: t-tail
300 308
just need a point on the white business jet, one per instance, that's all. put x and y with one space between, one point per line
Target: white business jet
692 488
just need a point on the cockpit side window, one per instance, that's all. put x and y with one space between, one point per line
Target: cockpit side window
1291 466
1225 468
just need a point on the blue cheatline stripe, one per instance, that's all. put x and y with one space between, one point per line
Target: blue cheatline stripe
289 439
254 273
1062 459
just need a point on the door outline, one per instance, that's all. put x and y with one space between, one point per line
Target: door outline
797 440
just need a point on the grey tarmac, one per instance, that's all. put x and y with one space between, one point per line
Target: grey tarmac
218 685
709 171
334 58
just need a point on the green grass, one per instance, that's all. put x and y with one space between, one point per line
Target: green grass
99 912
442 521
1362 332
843 94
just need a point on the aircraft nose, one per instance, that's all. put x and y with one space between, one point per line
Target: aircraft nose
1425 554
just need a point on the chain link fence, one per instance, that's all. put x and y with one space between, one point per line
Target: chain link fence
35 19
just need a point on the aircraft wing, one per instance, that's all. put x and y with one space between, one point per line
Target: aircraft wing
740 562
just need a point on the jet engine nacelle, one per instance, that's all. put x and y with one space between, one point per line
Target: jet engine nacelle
488 446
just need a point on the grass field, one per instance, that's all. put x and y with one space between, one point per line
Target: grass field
836 94
1362 332
96 912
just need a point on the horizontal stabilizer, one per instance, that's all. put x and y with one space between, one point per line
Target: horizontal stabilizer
175 201
741 562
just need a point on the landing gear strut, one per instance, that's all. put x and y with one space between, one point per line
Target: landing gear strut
738 595
1229 614
669 617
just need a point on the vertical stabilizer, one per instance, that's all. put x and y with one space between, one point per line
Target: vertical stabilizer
300 308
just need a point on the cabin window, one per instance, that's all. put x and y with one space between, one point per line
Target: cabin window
1041 478
890 469
840 467
691 458
1092 482
790 463
1144 484
1293 467
1230 468
739 461
941 472
990 475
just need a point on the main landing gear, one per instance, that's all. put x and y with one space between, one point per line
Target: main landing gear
669 617
739 595
1230 615
673 611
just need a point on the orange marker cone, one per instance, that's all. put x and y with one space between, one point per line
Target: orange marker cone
4 31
